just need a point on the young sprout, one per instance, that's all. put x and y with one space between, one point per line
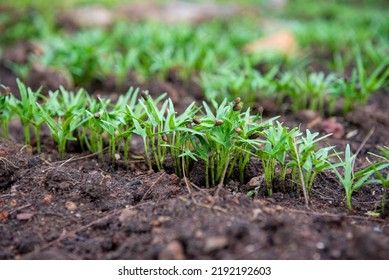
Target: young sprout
312 160
62 129
361 85
5 110
24 108
274 150
350 181
380 178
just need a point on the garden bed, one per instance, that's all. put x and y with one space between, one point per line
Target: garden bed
98 205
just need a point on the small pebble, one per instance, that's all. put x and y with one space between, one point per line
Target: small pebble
47 199
255 181
135 184
173 251
215 243
378 229
71 206
320 245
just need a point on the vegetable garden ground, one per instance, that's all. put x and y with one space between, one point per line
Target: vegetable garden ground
96 205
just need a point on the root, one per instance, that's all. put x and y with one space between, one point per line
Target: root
7 162
152 186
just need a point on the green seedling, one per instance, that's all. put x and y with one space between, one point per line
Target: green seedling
312 161
273 151
224 138
151 129
99 123
232 83
177 133
162 61
102 122
249 129
379 177
192 58
62 129
154 127
126 109
24 108
28 25
68 103
5 110
313 91
350 181
79 54
360 86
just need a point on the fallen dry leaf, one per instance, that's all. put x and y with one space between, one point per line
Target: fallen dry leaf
24 216
87 16
332 126
282 42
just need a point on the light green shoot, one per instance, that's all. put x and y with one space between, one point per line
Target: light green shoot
24 108
350 181
381 178
62 129
5 111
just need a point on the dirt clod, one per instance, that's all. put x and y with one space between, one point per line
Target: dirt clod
173 251
215 243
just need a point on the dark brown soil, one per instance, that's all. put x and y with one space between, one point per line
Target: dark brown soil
86 207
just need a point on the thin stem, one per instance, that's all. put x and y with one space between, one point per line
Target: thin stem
207 174
232 165
301 176
147 154
242 166
223 176
6 129
27 138
212 170
37 137
62 147
112 149
126 149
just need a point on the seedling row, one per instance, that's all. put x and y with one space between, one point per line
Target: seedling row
212 54
223 136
